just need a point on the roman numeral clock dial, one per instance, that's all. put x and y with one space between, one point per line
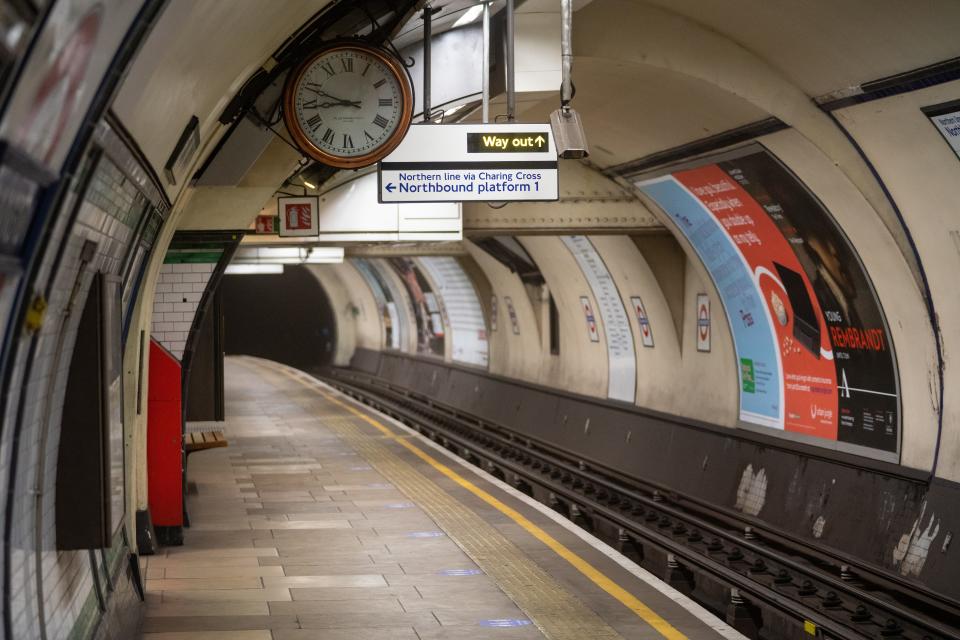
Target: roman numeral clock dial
348 106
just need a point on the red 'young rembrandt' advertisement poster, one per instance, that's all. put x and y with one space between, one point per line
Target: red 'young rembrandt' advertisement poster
812 344
805 352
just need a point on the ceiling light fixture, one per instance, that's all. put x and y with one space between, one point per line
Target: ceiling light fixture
288 255
471 14
251 269
309 185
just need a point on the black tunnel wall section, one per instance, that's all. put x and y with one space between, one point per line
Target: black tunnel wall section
867 511
285 317
205 385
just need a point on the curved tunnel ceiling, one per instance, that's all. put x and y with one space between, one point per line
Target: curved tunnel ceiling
182 71
630 110
825 46
650 75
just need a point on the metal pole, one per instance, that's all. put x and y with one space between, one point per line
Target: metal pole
427 28
566 48
511 89
486 62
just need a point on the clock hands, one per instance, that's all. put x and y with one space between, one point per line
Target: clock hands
340 103
337 102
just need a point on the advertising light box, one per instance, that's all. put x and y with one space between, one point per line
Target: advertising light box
813 350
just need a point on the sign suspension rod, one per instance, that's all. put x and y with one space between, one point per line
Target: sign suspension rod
486 62
511 86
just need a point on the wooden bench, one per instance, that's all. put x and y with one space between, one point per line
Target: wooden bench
194 441
202 440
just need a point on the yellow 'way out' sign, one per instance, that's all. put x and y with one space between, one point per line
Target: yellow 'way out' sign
519 142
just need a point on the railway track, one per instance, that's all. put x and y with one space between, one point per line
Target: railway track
766 583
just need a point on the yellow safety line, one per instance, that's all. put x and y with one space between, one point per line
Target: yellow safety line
626 598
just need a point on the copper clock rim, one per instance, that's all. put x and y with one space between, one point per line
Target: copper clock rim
339 162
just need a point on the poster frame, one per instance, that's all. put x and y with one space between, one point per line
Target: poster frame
737 152
590 317
643 318
703 340
512 313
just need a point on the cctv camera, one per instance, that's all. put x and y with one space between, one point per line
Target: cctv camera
568 134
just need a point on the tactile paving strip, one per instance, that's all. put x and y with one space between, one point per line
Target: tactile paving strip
557 613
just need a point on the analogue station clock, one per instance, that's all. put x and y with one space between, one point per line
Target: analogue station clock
348 106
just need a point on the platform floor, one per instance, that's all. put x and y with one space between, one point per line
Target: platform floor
325 520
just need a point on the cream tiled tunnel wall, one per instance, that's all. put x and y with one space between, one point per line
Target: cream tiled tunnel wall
581 365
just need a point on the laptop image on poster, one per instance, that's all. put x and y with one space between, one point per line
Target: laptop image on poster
806 327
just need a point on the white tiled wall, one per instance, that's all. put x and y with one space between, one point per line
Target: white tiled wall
179 290
30 437
44 398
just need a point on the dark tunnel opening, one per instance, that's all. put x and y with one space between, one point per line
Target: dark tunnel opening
284 317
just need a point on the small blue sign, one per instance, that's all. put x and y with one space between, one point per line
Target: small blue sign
399 505
505 622
380 485
426 534
361 467
460 572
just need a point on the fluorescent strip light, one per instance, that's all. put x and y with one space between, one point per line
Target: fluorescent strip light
288 255
313 260
472 14
309 185
279 253
250 269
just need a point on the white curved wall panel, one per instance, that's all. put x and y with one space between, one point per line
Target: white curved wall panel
921 171
342 303
515 344
621 349
365 311
464 313
581 365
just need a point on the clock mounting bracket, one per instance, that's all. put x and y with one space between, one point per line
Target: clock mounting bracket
384 19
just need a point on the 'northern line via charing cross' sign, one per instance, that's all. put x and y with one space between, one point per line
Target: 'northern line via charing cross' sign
460 162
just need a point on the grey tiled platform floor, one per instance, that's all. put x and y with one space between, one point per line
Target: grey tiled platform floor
295 536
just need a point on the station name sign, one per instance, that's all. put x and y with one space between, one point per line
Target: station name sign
462 162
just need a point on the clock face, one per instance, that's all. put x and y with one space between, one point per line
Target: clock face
348 106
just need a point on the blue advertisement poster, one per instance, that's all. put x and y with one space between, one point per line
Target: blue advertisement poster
754 341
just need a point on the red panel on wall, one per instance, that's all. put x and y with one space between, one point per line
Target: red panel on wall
164 438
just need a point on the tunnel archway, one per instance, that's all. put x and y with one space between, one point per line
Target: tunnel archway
284 317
